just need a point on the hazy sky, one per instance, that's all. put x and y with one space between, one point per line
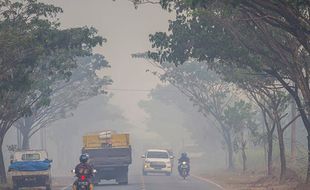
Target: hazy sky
127 30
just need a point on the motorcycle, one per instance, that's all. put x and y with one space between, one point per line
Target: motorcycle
184 169
83 182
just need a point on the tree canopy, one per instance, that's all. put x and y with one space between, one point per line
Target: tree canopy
33 47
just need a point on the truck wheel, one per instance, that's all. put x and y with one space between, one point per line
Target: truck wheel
123 179
48 187
123 183
15 187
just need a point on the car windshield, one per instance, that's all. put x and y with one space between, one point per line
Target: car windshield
30 157
157 154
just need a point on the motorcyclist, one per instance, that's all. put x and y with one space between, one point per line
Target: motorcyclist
183 158
84 169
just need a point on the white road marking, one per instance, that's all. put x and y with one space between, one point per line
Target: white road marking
66 187
209 181
143 183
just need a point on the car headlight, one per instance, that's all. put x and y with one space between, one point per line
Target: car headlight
146 165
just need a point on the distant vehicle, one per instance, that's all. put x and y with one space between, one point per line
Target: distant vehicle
30 168
110 155
183 169
157 161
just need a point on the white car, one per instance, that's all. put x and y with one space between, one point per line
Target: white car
157 161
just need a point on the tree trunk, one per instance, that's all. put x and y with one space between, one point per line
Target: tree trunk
230 158
244 158
25 131
293 134
2 167
308 171
26 143
282 154
269 156
230 151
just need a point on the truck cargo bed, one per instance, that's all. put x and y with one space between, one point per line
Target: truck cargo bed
109 156
28 173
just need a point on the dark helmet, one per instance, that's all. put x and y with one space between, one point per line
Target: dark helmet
183 154
84 158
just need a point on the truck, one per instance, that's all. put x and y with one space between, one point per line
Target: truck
110 155
30 168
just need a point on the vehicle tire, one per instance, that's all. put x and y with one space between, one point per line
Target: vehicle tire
15 186
123 179
184 174
123 183
48 187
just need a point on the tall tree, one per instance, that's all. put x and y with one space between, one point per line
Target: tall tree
242 119
270 37
65 97
33 46
210 94
274 105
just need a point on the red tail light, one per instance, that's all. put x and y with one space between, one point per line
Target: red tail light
83 177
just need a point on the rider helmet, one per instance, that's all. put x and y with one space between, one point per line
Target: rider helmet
84 158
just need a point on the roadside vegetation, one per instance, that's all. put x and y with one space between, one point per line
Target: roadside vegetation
259 53
42 67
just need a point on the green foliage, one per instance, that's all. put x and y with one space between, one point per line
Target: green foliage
243 120
65 96
35 53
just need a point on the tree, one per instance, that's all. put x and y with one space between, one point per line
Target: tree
33 47
207 92
241 118
269 37
274 104
66 96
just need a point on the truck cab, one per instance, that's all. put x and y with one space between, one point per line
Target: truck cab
157 161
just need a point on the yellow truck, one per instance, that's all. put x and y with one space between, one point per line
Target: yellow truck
110 155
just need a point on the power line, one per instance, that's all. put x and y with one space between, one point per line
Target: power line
135 90
127 90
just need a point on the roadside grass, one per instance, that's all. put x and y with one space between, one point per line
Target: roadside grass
255 177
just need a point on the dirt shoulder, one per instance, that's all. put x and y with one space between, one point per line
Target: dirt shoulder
255 181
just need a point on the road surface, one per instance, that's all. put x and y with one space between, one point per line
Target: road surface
159 182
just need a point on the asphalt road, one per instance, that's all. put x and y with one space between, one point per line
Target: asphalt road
159 182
